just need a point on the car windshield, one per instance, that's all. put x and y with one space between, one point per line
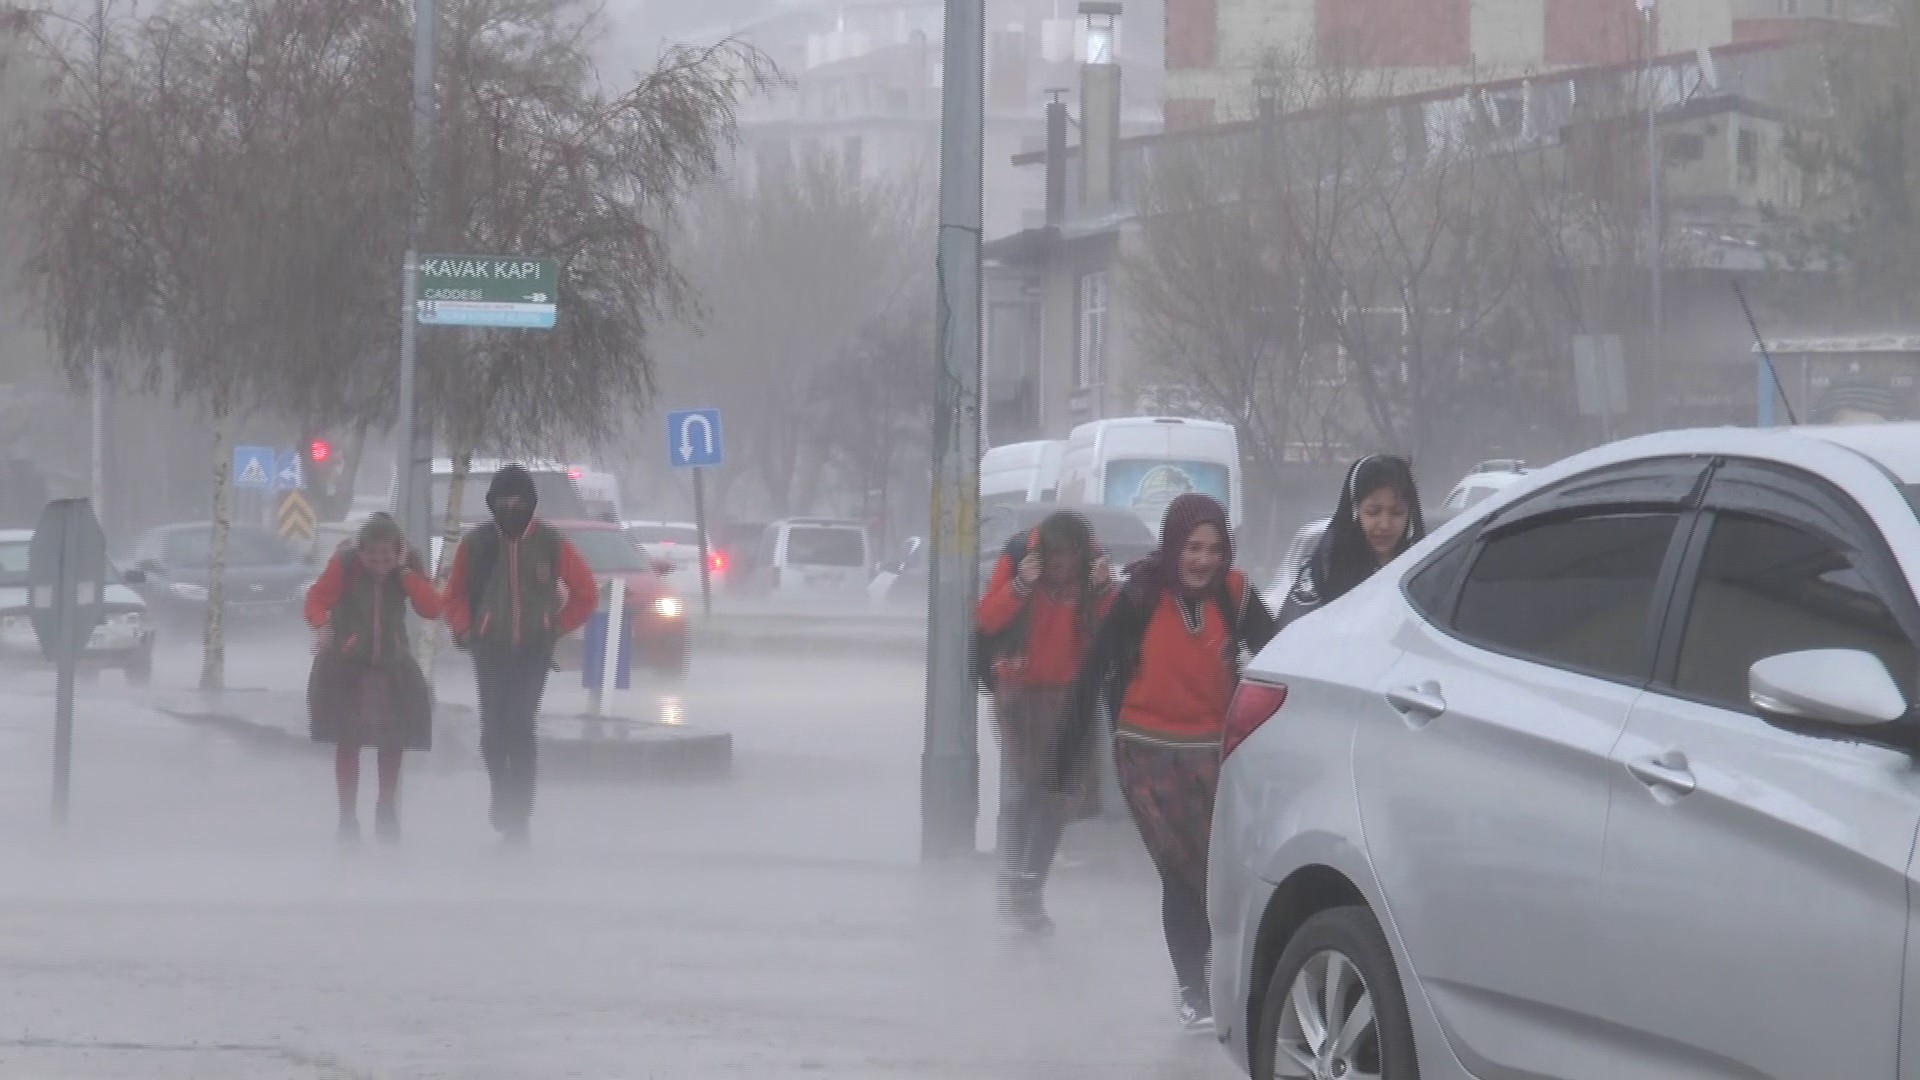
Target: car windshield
191 548
664 534
814 545
607 551
13 561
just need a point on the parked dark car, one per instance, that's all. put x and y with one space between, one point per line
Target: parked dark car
123 640
265 577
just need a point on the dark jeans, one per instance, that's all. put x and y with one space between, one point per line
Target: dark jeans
511 685
1183 915
1031 821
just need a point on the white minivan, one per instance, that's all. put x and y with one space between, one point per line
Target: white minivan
1021 472
814 557
1142 463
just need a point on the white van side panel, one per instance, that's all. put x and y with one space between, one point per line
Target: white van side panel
1093 447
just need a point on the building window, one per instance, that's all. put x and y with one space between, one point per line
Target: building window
1747 156
1093 329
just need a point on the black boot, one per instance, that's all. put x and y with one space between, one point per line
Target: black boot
1033 917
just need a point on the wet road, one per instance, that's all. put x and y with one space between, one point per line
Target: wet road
198 920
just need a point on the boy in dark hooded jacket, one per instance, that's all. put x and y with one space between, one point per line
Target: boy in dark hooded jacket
504 605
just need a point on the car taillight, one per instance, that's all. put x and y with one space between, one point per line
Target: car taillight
717 562
1254 703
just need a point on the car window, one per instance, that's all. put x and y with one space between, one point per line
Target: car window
1767 588
816 545
664 534
1432 588
1573 592
13 562
607 551
1458 499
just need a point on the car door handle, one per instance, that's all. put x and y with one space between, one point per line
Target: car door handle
1422 701
1667 771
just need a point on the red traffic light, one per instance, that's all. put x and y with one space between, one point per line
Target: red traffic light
319 450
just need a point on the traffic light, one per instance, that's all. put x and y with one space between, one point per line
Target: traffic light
328 488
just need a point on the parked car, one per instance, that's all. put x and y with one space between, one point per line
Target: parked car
1613 776
1483 480
818 558
123 640
655 611
678 542
265 577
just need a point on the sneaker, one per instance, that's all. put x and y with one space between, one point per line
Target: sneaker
1195 1012
386 823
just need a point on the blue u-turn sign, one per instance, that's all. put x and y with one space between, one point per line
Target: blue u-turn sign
693 438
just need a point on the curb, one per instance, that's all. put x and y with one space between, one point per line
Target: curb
808 644
599 749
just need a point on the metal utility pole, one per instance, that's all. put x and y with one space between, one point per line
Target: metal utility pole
414 449
1656 314
97 437
950 760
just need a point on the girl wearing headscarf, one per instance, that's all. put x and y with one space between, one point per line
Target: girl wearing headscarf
1162 671
1037 615
365 688
1377 519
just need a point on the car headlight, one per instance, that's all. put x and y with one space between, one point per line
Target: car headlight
187 590
668 607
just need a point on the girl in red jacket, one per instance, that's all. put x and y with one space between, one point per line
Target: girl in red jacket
365 688
1037 616
1163 669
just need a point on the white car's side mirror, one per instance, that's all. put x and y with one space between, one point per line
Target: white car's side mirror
1849 687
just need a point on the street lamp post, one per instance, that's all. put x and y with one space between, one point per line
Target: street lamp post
1656 315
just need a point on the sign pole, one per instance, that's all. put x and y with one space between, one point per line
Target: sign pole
63 615
700 526
950 757
413 492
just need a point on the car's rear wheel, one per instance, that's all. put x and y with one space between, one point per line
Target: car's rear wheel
1334 1008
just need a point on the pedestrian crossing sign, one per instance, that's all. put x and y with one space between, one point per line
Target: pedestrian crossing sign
253 467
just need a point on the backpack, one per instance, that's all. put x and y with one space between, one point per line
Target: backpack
1012 638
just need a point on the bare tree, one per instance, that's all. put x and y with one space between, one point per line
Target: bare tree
815 283
536 160
1344 270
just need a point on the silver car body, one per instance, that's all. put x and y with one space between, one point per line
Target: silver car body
1581 877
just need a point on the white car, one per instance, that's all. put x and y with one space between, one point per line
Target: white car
1485 479
677 542
1612 776
124 638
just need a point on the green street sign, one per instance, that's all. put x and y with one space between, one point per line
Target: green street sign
481 290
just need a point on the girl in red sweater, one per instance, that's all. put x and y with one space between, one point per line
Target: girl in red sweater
1037 616
1163 668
